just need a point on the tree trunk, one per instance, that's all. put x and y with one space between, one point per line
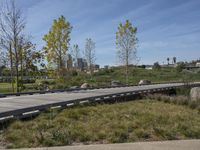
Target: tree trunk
21 65
127 63
17 74
16 63
126 74
11 67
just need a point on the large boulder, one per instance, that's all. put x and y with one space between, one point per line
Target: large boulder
195 94
116 83
85 85
74 87
144 82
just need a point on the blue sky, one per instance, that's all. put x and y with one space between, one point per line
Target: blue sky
166 28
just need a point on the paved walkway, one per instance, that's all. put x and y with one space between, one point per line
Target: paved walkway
23 105
166 145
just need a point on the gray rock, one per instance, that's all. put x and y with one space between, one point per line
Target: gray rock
195 94
85 85
144 82
116 83
73 87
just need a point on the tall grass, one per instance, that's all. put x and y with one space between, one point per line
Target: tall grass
144 120
179 100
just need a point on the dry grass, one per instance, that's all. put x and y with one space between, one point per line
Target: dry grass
144 120
178 100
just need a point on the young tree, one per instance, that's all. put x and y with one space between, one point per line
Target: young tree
168 60
29 57
75 54
156 66
11 27
174 60
89 54
126 42
57 43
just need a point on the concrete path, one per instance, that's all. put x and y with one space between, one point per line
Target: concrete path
164 145
18 106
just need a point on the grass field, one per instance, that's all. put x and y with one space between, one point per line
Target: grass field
5 88
162 75
104 78
144 120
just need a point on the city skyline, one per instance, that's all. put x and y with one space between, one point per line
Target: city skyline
164 29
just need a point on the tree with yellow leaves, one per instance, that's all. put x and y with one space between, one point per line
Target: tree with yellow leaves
126 42
57 43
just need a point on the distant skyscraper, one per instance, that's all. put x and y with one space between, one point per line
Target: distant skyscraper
81 64
68 62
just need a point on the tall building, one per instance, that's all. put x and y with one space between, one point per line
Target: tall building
81 64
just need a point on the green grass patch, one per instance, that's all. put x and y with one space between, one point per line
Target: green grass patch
144 120
104 78
6 88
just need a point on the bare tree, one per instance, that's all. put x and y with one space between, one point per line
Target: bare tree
126 42
89 54
11 27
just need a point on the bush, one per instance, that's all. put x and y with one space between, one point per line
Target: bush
193 104
180 67
178 100
74 73
185 91
156 65
48 82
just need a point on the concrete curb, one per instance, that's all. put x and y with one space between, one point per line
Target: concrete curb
159 145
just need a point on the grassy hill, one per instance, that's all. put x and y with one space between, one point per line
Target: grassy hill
144 120
104 78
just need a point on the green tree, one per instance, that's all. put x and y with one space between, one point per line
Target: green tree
57 43
174 60
156 66
126 42
180 67
29 58
168 60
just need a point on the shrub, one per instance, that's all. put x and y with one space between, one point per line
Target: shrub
48 82
74 73
184 91
198 108
156 66
193 104
180 67
178 100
